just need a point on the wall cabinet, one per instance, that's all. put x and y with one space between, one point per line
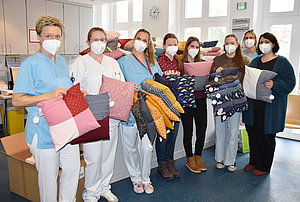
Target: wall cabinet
2 33
85 24
71 20
15 26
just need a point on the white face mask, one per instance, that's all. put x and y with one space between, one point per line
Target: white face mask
193 52
230 48
51 46
172 50
265 48
98 47
139 46
249 43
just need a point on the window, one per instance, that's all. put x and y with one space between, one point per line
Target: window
283 34
192 31
122 11
134 32
217 33
217 8
137 10
281 6
193 8
124 34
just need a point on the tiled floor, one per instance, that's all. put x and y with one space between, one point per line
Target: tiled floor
282 184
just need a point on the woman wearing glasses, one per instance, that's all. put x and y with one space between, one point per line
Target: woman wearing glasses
88 70
249 42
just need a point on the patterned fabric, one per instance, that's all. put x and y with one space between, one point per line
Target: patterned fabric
221 81
140 121
163 106
197 68
99 106
150 125
168 93
160 94
219 99
171 84
158 119
209 89
68 117
167 66
185 90
225 91
121 95
225 72
167 121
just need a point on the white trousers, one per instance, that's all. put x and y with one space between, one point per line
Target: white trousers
227 139
109 156
47 162
131 143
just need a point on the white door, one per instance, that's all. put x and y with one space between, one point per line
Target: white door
2 31
15 26
35 9
71 20
85 24
57 10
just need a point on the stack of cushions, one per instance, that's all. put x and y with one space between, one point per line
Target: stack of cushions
157 108
226 93
99 106
121 97
208 54
68 117
254 84
201 71
182 87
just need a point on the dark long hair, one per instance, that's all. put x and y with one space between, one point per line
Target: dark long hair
271 37
185 51
172 36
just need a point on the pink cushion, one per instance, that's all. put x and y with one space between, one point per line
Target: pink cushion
214 49
116 54
197 68
121 94
68 117
211 54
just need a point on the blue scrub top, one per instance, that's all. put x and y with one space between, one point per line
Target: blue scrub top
133 71
37 75
247 54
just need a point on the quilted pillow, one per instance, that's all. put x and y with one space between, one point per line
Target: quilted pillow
121 97
112 35
68 117
167 92
140 121
197 68
115 54
161 95
185 90
254 84
200 82
150 125
99 106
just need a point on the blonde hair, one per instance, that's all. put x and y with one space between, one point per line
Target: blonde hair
46 20
252 32
149 52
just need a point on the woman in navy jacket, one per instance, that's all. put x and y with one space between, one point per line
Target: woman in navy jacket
263 120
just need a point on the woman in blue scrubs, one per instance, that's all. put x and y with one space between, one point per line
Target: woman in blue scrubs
249 42
44 76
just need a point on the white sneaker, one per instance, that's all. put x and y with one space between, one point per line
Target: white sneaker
110 197
231 168
220 165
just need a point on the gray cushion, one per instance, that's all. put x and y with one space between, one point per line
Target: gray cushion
200 82
262 92
99 105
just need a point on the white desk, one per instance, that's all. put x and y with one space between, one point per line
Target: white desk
5 98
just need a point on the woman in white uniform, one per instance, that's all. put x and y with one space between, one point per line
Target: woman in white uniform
88 70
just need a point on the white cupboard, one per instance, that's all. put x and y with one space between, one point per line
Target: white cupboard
15 26
85 24
35 9
57 10
2 31
71 20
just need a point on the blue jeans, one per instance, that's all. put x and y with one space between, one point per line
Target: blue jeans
165 148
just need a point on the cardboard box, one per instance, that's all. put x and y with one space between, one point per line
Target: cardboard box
23 177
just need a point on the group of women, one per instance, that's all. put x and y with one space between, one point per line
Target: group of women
45 75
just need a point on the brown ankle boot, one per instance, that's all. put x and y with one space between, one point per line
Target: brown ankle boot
172 169
191 164
200 163
164 171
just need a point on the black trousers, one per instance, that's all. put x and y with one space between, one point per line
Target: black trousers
262 146
200 116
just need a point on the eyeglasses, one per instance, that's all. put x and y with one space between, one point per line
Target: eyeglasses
102 40
251 37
